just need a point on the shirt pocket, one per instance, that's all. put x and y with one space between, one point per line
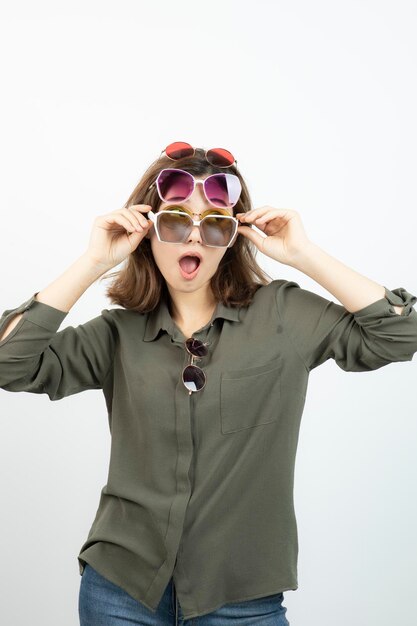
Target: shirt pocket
250 397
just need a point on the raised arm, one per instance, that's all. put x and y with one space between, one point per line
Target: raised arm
34 357
61 294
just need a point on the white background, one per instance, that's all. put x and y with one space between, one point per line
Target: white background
317 101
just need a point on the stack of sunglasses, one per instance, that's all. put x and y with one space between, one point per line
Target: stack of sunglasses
174 223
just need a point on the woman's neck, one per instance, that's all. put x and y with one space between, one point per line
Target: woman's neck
192 310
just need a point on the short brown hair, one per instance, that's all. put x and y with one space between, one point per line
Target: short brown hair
139 285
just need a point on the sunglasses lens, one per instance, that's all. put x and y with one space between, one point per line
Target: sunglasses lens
218 231
178 150
193 378
173 226
175 185
196 347
223 190
220 157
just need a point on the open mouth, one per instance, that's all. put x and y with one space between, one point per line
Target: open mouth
189 265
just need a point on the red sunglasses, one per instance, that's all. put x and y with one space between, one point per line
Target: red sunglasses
216 156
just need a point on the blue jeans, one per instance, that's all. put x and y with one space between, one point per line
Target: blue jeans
102 603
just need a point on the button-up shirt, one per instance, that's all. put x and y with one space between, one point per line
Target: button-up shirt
200 486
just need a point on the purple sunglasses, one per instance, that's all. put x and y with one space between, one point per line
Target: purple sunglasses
175 185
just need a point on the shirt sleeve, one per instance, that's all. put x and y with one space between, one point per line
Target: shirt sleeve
34 357
368 339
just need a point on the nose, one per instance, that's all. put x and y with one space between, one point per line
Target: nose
195 234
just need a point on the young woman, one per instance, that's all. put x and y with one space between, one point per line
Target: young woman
204 369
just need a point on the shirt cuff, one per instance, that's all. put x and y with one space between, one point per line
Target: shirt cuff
39 313
383 307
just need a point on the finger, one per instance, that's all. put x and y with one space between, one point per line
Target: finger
138 212
257 225
252 235
277 214
271 215
255 214
133 218
144 208
270 218
127 224
139 209
251 216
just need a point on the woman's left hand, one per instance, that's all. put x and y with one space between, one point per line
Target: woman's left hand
285 234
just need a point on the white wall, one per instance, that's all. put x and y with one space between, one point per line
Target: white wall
318 102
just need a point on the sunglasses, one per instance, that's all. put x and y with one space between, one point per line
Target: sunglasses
174 224
216 156
193 377
176 185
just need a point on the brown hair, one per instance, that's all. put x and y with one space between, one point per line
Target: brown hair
139 285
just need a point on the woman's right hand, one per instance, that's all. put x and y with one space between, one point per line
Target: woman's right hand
117 234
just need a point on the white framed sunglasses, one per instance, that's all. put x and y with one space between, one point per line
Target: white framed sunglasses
174 223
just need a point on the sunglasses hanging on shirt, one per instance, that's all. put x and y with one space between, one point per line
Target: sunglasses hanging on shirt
193 377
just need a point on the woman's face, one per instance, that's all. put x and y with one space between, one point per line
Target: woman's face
166 255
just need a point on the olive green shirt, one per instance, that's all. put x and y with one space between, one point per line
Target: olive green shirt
200 487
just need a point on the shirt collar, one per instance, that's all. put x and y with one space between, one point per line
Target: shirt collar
160 318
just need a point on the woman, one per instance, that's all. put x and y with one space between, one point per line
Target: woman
204 370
